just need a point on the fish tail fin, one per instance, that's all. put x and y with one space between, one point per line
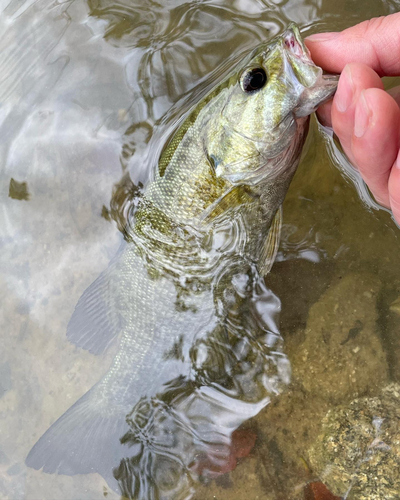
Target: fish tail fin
84 439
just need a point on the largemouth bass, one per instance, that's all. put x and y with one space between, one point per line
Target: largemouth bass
199 349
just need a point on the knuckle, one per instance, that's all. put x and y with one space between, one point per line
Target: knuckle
367 28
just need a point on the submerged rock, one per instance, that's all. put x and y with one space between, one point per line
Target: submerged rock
342 356
357 454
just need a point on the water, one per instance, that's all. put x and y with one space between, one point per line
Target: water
87 92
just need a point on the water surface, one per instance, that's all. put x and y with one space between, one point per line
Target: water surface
88 91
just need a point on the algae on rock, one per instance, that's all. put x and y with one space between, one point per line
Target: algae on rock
357 453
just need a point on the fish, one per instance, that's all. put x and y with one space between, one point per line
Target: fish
199 350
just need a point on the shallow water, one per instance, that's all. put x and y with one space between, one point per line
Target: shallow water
87 92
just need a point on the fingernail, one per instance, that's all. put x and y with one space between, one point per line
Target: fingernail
397 162
362 116
323 37
345 91
395 207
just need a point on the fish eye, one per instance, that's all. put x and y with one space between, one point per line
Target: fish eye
255 79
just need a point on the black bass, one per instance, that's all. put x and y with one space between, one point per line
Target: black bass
199 350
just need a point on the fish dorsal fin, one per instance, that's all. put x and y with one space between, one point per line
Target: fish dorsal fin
96 320
271 244
91 325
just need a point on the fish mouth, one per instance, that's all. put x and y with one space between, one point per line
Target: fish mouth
293 43
318 86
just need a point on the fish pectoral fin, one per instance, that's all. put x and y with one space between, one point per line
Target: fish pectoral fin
271 245
238 195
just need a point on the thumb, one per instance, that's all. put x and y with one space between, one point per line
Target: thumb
375 43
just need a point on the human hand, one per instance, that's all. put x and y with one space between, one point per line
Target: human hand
365 118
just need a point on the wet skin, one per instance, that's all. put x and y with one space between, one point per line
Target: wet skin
365 118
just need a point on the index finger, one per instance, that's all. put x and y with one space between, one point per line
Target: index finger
375 43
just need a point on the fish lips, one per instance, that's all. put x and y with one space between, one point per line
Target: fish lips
318 87
312 97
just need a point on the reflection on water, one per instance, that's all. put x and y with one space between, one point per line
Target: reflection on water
87 92
213 360
186 432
